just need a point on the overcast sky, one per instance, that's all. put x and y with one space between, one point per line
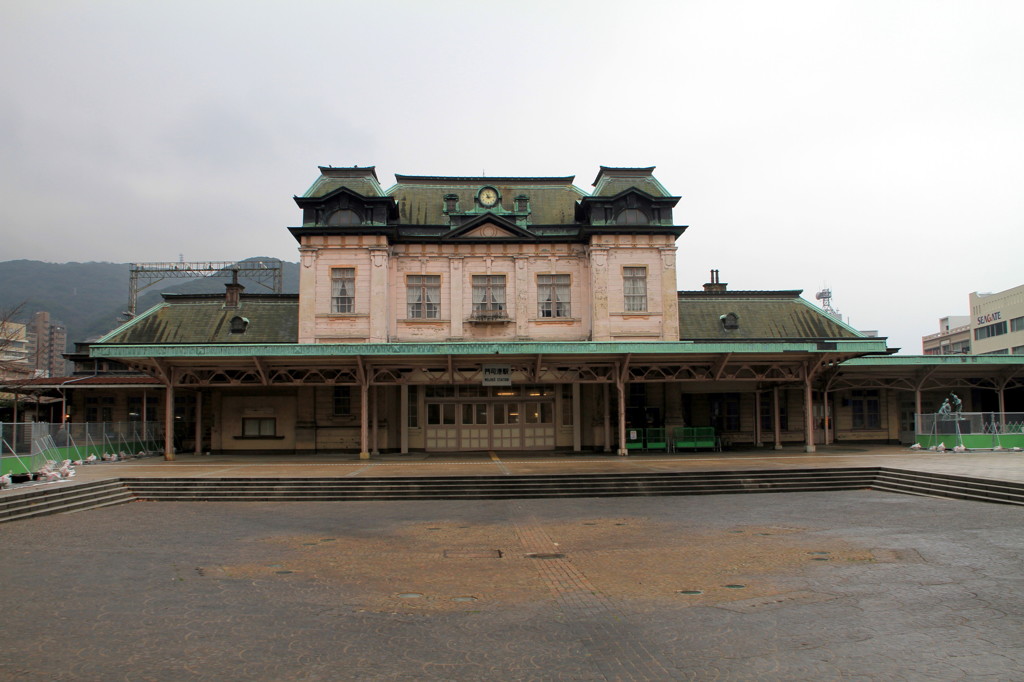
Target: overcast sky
876 148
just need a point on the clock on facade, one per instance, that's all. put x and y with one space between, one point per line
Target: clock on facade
488 197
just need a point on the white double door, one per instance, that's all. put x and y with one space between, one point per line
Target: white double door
490 425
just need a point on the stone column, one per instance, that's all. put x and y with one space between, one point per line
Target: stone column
379 308
364 418
308 264
522 297
621 388
669 295
917 412
808 416
169 418
599 293
457 302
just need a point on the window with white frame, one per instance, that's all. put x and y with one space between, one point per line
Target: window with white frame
553 296
343 290
488 295
634 288
423 296
259 427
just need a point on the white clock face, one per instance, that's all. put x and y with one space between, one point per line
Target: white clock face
488 197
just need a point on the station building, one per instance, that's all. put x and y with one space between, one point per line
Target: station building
447 314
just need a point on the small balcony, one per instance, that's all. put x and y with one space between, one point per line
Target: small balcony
489 317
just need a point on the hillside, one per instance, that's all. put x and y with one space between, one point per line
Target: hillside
89 298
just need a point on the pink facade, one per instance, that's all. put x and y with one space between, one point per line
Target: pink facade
589 282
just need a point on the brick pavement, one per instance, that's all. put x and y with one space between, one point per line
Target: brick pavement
859 585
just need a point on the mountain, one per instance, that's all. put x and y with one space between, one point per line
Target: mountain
90 298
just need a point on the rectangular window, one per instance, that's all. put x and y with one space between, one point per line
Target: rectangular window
634 289
768 419
865 408
1017 324
342 401
414 413
489 295
553 295
1018 350
725 412
343 290
990 330
423 296
259 427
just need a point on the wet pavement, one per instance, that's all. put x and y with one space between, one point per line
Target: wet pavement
851 585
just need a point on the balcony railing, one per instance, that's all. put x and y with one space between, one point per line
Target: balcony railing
489 317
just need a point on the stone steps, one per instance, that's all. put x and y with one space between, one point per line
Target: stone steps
949 486
499 487
61 498
66 497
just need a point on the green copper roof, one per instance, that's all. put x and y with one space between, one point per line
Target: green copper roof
759 315
420 199
610 181
361 180
497 349
936 360
205 319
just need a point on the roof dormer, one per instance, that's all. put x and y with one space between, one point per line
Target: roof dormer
627 197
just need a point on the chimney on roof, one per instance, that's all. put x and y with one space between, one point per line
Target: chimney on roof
714 284
233 291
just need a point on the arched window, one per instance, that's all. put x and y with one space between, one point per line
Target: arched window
632 216
344 217
239 324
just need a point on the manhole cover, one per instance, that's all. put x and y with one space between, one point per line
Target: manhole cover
690 592
283 572
410 595
819 553
460 599
472 554
734 586
545 555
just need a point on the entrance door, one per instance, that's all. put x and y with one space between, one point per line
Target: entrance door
474 430
442 432
481 418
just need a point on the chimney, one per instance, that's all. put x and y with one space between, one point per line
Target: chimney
714 285
233 291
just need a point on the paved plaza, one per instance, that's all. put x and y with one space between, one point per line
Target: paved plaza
853 585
